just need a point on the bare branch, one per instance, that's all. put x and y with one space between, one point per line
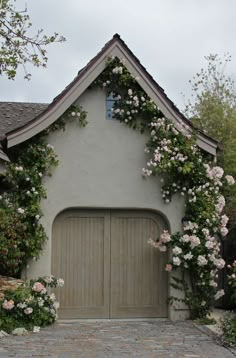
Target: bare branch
17 46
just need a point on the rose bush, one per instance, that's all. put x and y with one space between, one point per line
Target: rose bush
29 305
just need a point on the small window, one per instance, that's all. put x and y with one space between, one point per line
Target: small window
111 99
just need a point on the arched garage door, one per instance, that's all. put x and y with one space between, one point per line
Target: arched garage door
109 269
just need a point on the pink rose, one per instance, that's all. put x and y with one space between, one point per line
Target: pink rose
165 237
230 180
168 267
8 305
38 287
28 310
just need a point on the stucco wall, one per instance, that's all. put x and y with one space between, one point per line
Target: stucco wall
100 167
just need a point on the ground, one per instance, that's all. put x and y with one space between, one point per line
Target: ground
117 338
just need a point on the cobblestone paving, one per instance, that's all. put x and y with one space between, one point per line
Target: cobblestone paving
106 338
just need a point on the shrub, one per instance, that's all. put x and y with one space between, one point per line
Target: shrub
228 326
228 323
29 305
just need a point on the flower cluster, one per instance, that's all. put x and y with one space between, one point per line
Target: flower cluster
77 112
73 113
174 156
30 305
184 169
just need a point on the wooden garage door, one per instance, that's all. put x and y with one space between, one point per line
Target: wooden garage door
109 269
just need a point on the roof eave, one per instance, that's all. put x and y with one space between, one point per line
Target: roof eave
4 157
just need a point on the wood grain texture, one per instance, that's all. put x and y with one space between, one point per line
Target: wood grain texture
138 281
81 256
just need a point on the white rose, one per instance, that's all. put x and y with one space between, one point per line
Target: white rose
20 211
177 250
60 282
176 261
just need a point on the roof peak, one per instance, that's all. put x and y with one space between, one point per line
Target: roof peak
116 36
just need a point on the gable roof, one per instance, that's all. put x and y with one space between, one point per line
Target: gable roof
115 47
14 115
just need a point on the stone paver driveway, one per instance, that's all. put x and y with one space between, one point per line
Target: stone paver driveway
106 338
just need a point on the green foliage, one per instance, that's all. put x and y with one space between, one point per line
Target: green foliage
29 305
18 45
232 282
70 115
212 109
206 321
13 242
22 236
228 327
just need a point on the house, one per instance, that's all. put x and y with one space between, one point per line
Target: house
100 211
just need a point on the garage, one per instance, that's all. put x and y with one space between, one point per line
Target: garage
108 267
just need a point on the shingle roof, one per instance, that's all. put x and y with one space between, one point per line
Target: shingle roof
14 115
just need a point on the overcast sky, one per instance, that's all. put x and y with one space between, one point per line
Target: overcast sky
170 38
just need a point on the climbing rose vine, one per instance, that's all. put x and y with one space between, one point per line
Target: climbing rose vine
22 236
184 170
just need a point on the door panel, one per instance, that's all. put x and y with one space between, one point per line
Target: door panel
81 257
138 279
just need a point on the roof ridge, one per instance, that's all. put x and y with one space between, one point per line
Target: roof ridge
18 102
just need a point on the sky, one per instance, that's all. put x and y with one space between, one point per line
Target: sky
170 38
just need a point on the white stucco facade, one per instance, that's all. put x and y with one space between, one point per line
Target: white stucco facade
100 166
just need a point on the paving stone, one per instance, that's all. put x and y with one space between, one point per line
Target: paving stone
116 339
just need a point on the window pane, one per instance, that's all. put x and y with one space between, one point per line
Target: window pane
110 102
109 105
